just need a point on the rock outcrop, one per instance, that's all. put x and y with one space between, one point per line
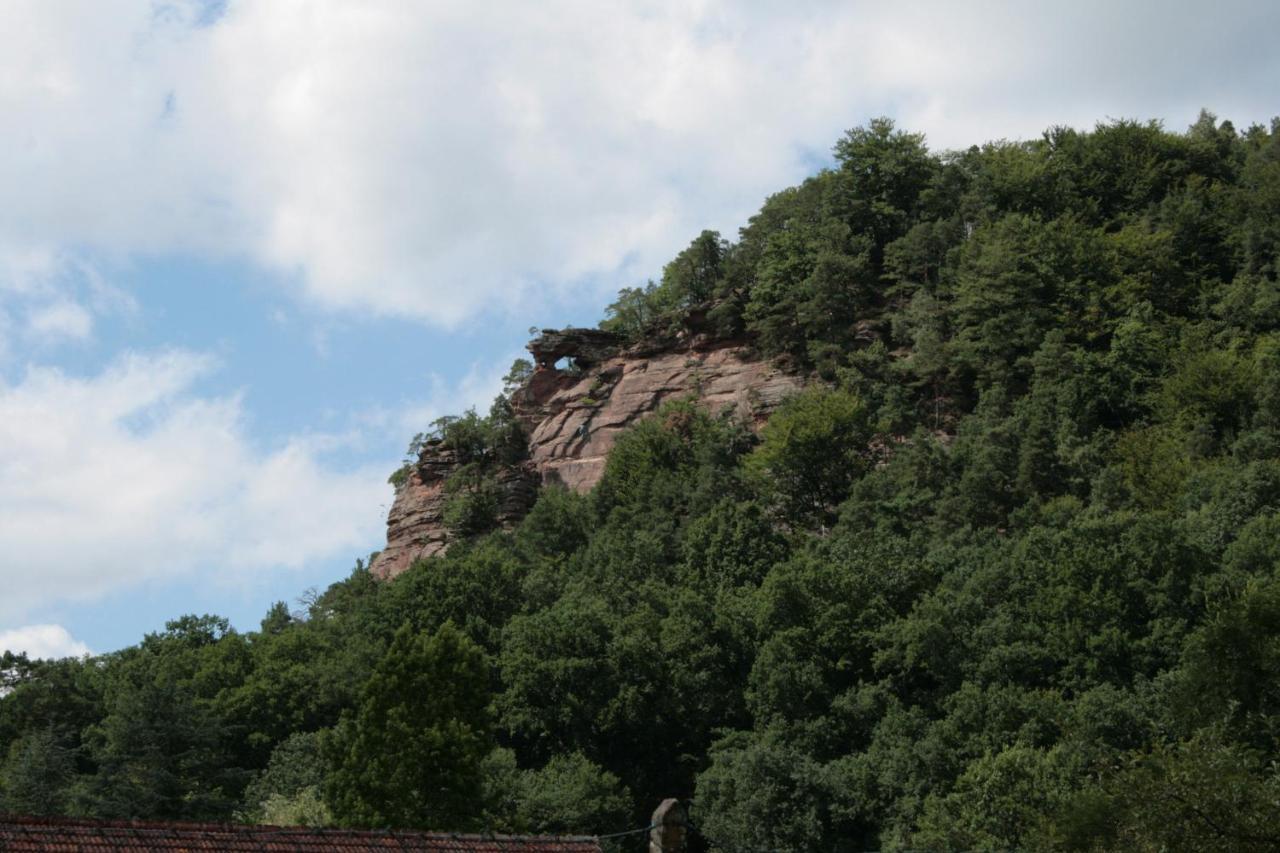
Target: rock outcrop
573 420
586 347
415 525
574 416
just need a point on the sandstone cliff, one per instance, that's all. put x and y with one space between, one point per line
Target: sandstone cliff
574 415
415 524
574 420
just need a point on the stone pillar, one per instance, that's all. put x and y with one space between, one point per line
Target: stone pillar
670 825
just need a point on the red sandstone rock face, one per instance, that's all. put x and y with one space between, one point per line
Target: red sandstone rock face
573 421
415 524
576 420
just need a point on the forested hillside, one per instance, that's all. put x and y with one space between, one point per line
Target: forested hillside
1006 575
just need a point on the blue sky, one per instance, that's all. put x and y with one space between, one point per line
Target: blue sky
247 249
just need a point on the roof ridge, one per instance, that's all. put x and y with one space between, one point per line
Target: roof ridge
30 826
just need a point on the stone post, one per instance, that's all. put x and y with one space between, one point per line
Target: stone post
670 825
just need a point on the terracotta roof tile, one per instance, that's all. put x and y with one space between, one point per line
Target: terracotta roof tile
73 835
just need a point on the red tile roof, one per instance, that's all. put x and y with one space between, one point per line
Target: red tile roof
73 835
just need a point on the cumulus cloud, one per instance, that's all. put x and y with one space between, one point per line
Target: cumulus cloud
109 480
420 159
42 641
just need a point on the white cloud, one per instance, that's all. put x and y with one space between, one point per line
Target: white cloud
113 479
438 160
42 641
55 294
61 319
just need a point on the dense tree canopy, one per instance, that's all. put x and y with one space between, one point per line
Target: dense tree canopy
411 754
1006 576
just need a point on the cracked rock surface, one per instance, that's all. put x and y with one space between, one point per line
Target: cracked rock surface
573 419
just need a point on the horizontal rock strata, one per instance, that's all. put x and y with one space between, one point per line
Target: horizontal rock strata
415 524
574 416
574 421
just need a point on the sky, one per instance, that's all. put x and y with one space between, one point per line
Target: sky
248 249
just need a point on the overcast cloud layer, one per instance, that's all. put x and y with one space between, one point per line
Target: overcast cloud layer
440 162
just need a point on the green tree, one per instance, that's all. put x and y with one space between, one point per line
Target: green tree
571 795
471 501
692 275
882 174
811 452
411 754
636 310
288 791
38 775
164 749
1204 793
762 793
999 802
